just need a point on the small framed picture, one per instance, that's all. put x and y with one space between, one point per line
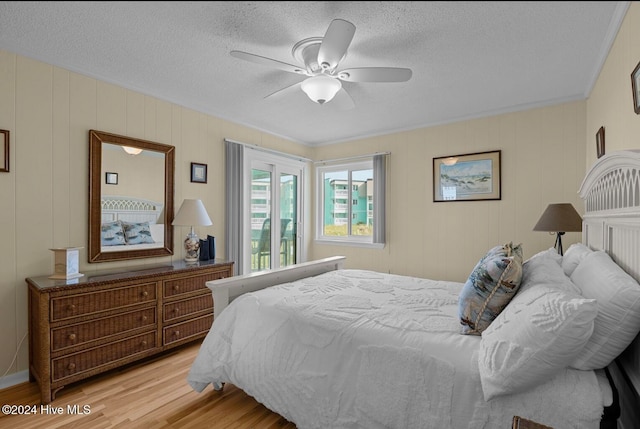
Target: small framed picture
4 151
198 173
635 87
600 142
111 178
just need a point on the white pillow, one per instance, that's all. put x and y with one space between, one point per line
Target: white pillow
544 269
538 334
618 320
157 232
572 257
550 253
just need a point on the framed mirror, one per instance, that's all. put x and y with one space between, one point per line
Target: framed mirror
131 190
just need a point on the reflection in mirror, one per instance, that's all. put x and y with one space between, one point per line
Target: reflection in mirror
131 198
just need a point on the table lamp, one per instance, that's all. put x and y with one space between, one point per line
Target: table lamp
559 218
192 212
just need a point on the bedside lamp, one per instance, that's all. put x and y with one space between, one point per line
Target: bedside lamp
192 212
559 218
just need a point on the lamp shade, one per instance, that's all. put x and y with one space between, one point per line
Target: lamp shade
192 212
321 88
560 217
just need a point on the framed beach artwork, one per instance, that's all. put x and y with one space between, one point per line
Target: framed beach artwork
467 177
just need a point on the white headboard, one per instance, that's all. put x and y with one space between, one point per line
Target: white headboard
611 194
130 209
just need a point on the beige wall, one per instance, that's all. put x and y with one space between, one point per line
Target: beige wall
610 103
43 200
138 175
542 162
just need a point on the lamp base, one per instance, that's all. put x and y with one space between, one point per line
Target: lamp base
558 244
192 248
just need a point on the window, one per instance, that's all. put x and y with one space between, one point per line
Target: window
351 201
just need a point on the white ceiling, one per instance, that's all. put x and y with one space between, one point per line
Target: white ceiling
469 59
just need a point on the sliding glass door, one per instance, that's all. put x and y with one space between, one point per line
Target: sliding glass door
274 212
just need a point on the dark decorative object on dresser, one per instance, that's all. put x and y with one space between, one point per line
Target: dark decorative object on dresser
208 248
85 326
212 246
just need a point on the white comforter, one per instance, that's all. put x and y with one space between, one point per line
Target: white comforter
360 349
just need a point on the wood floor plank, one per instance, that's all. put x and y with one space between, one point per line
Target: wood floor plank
152 394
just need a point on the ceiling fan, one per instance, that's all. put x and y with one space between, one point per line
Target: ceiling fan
321 57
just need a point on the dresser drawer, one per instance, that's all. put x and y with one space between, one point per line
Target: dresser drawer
185 285
185 330
91 302
76 335
79 362
185 307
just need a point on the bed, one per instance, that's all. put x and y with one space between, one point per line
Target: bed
329 347
130 223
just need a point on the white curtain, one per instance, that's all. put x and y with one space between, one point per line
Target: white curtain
234 206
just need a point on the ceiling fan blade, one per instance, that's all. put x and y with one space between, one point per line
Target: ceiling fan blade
268 62
285 91
375 74
335 43
342 100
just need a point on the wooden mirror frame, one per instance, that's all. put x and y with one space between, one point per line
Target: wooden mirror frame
96 139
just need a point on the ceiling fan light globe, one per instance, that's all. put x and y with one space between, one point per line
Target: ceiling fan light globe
132 150
321 89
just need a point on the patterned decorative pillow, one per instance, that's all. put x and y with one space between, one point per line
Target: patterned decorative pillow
137 233
112 234
492 284
542 330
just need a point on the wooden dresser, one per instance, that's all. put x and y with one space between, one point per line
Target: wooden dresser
82 327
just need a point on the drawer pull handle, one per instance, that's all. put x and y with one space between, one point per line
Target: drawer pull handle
176 310
71 307
72 337
145 293
143 343
71 366
144 318
176 333
176 287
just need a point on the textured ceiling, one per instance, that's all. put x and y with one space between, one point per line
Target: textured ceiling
469 59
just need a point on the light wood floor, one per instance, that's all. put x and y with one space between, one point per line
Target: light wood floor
148 395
